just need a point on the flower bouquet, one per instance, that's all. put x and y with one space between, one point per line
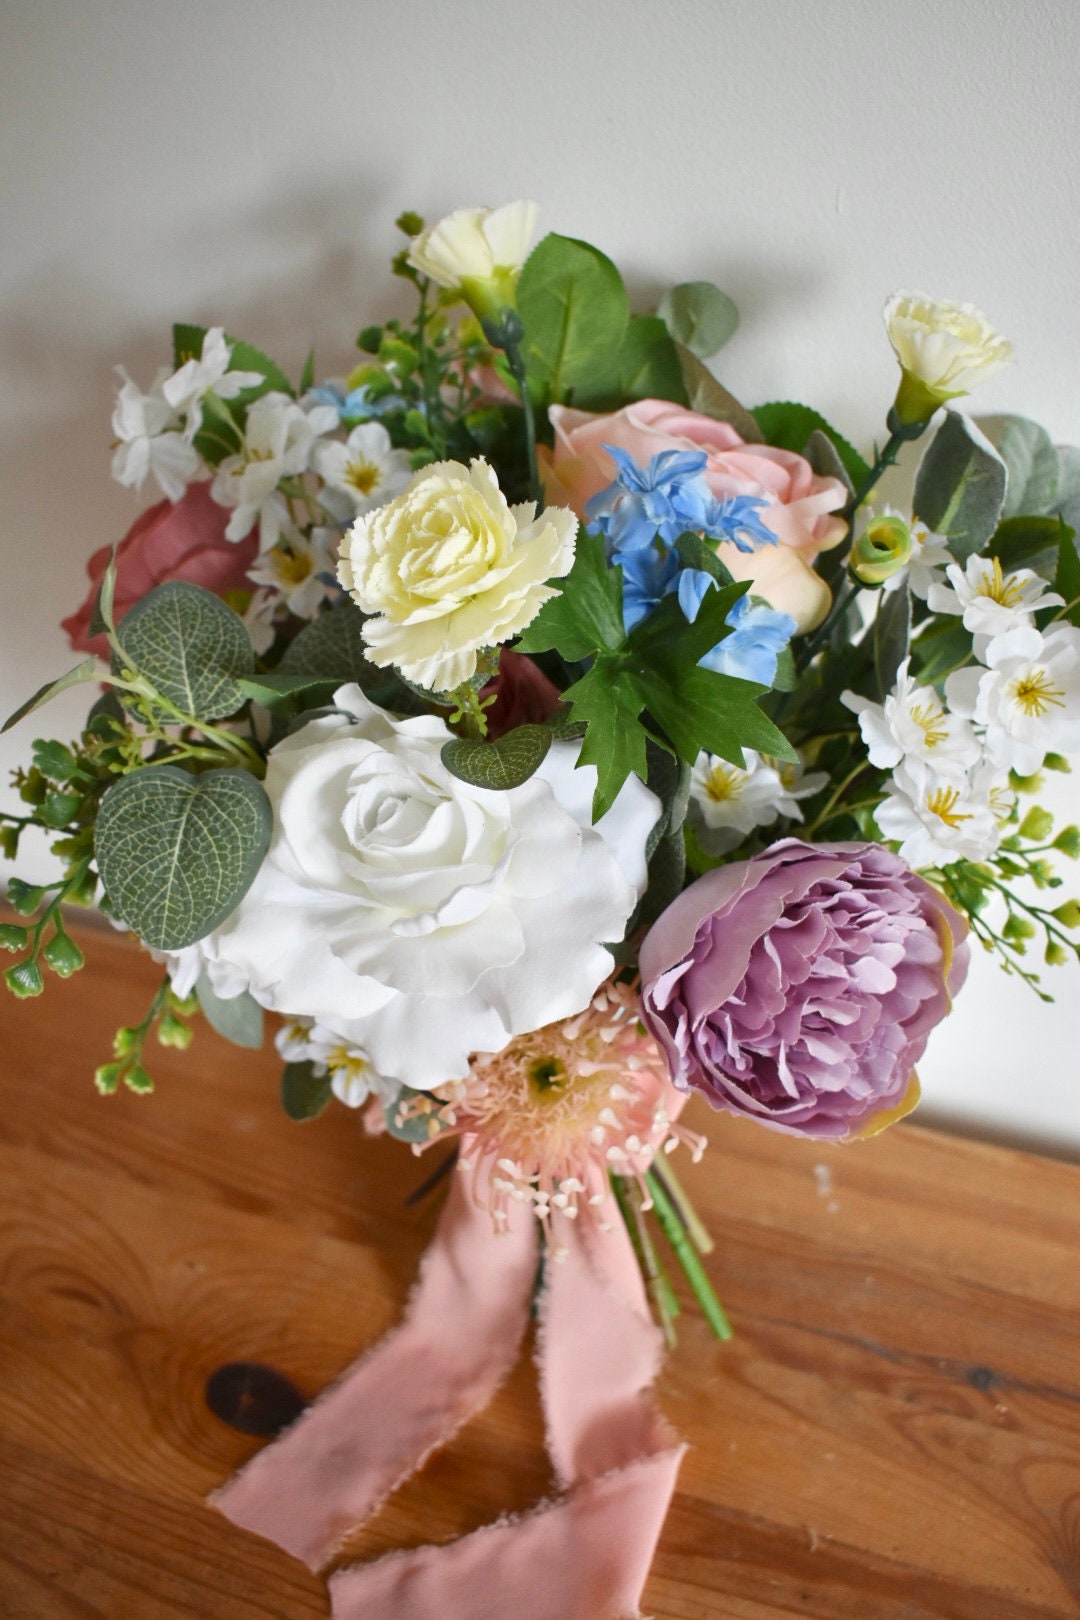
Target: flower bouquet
542 736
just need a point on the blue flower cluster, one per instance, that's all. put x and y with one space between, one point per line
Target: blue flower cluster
642 514
357 405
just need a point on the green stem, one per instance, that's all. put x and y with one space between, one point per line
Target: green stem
834 799
695 1226
886 459
841 602
657 1280
684 1253
516 361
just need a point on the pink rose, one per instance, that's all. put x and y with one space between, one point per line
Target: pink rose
800 504
182 541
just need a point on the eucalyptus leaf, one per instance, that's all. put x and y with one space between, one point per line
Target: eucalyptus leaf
500 765
892 635
666 875
960 486
238 1018
1067 504
1027 542
304 1094
91 669
710 398
575 311
191 647
414 1129
177 852
699 316
1031 460
272 689
331 648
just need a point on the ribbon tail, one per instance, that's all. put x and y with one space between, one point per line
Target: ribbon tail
373 1428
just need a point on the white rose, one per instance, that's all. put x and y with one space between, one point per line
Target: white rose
421 918
449 567
944 350
476 245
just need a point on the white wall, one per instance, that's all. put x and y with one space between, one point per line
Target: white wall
242 161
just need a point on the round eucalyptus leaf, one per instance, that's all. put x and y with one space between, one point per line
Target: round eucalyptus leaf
699 316
498 765
177 853
304 1094
191 646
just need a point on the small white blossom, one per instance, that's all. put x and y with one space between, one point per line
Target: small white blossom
278 440
936 822
186 389
299 569
361 474
145 426
353 1076
259 618
929 556
990 601
914 724
1028 697
728 803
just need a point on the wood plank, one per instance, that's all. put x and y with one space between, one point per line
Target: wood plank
893 1435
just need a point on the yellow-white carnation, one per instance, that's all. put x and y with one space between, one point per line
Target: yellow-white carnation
476 245
944 350
449 568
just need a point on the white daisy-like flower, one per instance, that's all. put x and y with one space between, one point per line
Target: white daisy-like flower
278 439
259 617
1027 698
990 601
935 821
363 473
929 556
148 441
299 569
726 803
186 389
914 724
353 1077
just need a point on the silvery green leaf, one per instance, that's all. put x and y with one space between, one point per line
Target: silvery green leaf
191 647
304 1094
699 316
177 853
238 1018
498 765
711 398
960 486
91 669
1032 462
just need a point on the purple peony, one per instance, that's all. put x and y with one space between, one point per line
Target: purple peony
799 987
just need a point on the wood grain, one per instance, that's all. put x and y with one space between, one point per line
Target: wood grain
894 1433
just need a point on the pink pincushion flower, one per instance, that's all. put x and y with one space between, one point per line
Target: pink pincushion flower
184 540
545 1120
799 987
801 507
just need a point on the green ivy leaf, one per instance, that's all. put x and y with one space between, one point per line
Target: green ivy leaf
191 647
587 616
91 669
238 1018
960 486
500 765
705 395
54 759
304 1094
699 316
608 701
177 853
716 712
789 426
575 311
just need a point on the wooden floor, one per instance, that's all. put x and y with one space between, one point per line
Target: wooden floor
894 1433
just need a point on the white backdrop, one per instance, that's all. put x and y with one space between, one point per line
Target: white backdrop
242 162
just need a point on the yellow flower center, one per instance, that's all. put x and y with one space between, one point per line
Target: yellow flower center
341 1061
1035 693
993 584
292 567
363 475
930 719
724 782
942 803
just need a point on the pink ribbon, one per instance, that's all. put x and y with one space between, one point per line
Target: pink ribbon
585 1554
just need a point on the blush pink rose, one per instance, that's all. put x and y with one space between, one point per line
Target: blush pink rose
801 508
182 541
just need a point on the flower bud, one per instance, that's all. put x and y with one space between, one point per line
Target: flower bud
1068 913
881 550
944 351
63 955
478 253
24 979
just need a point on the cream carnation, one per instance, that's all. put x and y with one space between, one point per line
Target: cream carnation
944 350
476 244
419 917
449 568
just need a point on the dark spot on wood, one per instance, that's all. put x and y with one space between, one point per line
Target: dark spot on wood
253 1398
981 1377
